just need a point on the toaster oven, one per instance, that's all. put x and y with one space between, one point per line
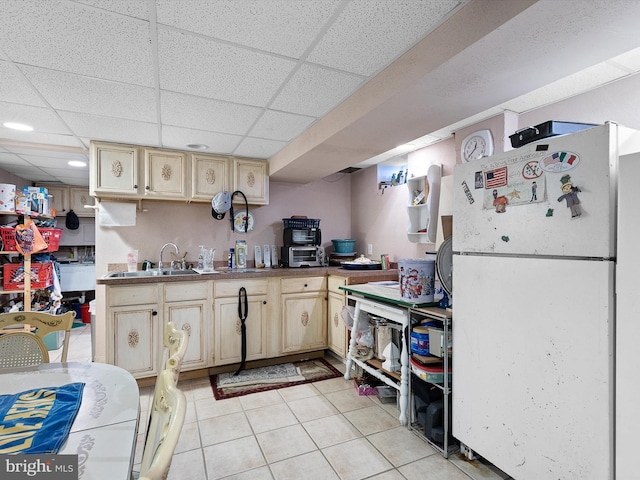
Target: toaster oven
302 256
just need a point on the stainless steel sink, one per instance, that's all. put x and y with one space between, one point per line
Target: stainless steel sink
150 273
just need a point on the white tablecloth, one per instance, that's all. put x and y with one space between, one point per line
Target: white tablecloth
104 432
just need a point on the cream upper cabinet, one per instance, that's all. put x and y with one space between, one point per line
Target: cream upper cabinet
129 171
114 170
165 174
70 198
78 198
58 198
304 314
210 174
251 177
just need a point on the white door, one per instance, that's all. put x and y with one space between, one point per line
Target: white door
533 364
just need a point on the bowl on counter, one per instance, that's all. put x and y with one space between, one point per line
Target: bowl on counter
343 245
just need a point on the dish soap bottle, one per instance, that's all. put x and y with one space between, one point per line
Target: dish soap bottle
241 253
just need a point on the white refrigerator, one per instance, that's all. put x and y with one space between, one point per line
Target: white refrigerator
534 241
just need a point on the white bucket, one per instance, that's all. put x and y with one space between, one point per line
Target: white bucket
416 277
7 198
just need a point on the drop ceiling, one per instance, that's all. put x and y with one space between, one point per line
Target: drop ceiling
313 86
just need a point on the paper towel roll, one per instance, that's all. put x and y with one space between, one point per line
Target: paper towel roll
117 214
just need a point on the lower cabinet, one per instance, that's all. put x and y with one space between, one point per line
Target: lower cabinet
187 305
228 332
338 341
135 321
304 314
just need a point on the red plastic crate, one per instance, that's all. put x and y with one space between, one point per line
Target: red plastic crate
51 236
41 275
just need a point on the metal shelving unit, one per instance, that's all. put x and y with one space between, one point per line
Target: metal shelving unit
444 316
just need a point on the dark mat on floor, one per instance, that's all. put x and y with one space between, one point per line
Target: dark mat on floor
270 378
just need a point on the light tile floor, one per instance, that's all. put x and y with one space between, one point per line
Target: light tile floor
319 431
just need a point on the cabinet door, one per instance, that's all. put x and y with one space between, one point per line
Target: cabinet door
228 335
337 330
165 173
136 338
252 178
304 322
191 316
114 170
209 175
78 198
58 199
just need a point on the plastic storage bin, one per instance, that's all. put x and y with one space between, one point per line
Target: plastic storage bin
51 236
41 275
54 340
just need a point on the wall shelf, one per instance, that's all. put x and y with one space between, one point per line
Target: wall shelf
422 206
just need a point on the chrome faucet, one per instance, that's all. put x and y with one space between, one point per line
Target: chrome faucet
162 251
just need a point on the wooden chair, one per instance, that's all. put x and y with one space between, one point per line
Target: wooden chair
22 349
175 343
45 324
168 412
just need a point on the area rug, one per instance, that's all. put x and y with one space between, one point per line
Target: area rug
226 385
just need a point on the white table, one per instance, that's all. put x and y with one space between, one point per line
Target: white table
387 303
104 433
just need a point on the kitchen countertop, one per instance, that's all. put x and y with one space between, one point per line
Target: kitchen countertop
360 275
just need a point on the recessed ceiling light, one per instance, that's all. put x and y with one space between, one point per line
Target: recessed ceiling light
18 126
76 163
198 146
407 147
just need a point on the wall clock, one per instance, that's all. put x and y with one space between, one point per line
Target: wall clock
476 145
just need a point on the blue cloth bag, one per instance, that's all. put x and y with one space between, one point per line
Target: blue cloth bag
38 420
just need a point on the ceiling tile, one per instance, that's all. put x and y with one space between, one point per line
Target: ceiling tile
14 89
313 90
76 93
285 27
258 148
74 38
176 137
41 119
112 129
565 87
49 153
366 36
630 60
137 9
205 114
7 159
67 172
280 126
45 161
203 67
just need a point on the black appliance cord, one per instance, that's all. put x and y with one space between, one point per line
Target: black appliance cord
243 310
246 206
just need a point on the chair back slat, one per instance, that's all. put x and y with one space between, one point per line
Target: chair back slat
45 324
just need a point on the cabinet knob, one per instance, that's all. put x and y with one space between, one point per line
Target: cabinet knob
154 313
147 187
264 302
305 285
135 186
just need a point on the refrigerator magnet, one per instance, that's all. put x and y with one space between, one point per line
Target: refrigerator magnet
570 195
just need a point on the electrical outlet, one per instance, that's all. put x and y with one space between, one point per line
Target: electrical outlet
369 249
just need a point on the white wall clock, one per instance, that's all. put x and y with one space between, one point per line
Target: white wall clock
476 145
